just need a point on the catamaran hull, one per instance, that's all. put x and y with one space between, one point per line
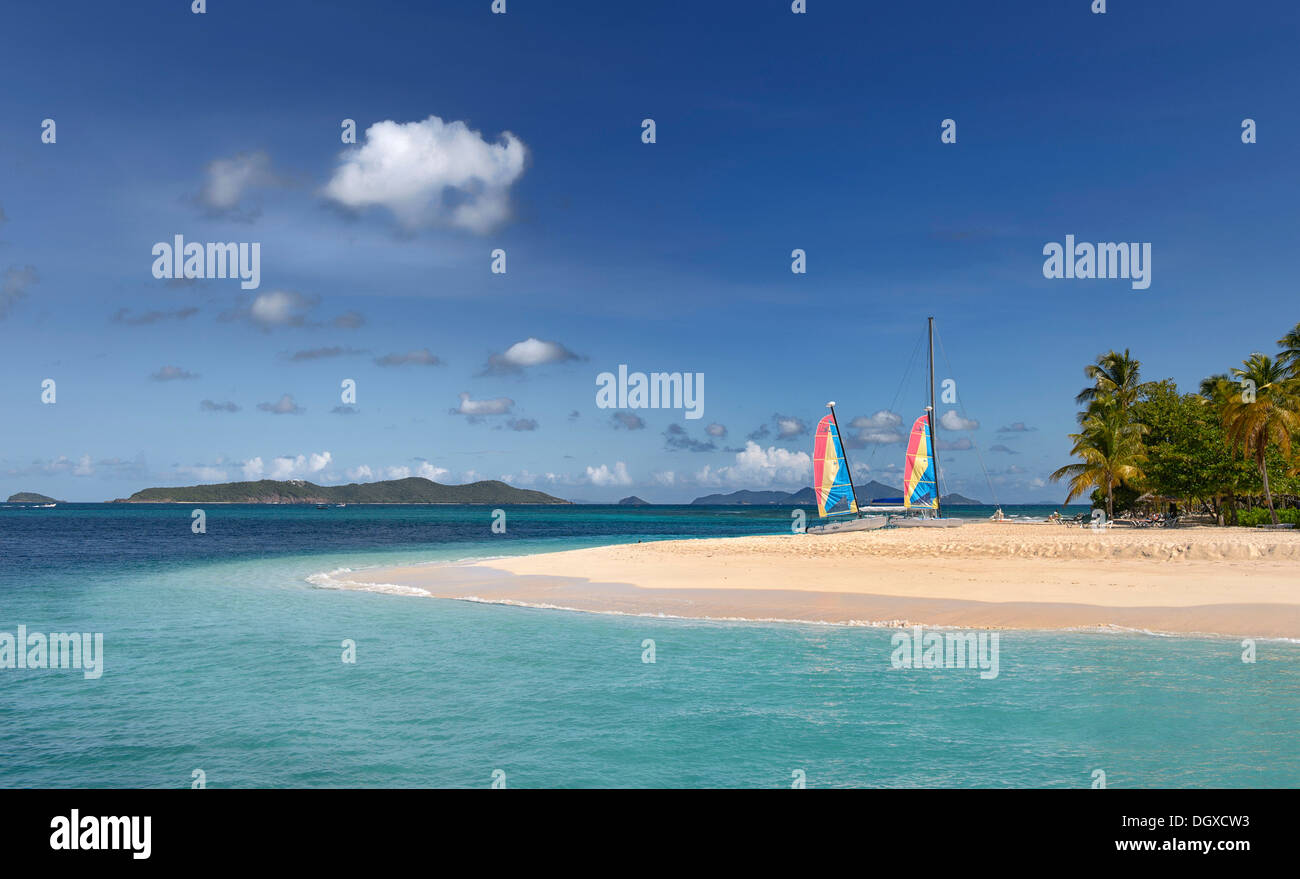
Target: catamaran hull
899 522
866 523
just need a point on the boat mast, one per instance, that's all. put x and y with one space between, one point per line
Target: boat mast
934 455
847 471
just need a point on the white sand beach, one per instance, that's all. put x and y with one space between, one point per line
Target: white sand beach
1230 581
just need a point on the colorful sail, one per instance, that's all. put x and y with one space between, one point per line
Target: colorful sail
831 472
919 489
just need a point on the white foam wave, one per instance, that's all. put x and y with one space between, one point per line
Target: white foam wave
331 580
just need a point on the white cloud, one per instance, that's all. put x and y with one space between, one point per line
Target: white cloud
523 477
428 471
665 478
603 475
950 420
757 467
205 473
227 179
286 467
280 308
430 172
254 469
397 472
288 308
789 427
529 352
878 429
476 409
83 467
361 474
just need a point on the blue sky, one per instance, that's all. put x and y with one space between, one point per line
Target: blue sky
775 131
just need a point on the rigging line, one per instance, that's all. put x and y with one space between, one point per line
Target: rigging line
962 407
911 362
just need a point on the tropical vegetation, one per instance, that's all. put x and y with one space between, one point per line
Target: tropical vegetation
1231 449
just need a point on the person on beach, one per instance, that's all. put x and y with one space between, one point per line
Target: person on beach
1055 517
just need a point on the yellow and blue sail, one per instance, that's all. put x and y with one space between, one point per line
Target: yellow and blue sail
919 488
831 472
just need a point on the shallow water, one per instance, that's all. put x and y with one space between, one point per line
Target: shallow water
221 656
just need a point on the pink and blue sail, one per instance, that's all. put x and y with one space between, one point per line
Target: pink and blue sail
831 472
919 486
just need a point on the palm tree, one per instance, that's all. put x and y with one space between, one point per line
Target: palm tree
1215 391
1114 374
1267 416
1110 444
1290 355
1217 388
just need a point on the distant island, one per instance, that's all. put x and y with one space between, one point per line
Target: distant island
744 498
802 497
413 490
633 501
30 497
872 491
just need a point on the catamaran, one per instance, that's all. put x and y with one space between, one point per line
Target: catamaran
919 507
833 483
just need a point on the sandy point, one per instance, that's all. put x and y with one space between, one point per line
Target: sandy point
1229 581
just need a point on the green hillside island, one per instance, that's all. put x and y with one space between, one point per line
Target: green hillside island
30 497
415 490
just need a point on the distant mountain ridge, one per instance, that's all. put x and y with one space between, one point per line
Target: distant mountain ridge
872 491
633 501
413 490
746 498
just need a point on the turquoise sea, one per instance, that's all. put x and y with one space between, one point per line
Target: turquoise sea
220 656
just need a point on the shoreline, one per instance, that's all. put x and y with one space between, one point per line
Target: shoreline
1190 581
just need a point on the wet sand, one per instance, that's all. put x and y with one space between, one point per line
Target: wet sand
1238 582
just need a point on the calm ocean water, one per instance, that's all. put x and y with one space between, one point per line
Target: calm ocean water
220 656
